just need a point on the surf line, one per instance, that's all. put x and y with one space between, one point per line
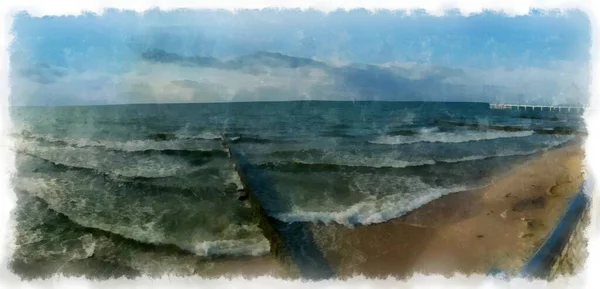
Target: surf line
291 243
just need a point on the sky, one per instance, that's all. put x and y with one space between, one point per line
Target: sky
540 58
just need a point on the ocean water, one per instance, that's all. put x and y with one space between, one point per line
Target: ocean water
149 186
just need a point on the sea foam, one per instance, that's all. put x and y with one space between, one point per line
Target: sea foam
111 162
375 210
94 203
205 141
393 161
448 137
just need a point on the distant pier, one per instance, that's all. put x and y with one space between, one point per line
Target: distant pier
538 107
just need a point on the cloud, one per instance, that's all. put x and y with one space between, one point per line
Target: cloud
166 82
485 57
277 77
53 85
559 83
43 73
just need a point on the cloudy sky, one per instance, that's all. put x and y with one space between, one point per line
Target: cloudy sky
215 56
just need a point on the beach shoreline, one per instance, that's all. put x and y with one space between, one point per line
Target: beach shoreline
498 226
472 232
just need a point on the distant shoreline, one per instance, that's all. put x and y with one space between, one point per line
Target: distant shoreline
246 102
276 101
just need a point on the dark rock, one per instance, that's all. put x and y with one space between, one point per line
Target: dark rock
242 195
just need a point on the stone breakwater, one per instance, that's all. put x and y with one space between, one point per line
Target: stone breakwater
267 224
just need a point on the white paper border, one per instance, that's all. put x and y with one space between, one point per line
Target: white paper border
587 279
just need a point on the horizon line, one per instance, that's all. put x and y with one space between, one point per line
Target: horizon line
260 101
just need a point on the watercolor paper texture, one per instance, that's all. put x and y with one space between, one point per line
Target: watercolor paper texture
299 144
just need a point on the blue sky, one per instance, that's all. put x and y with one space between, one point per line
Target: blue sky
94 59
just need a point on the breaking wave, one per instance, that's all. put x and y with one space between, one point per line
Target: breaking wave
172 136
149 164
355 163
448 137
156 142
375 210
93 202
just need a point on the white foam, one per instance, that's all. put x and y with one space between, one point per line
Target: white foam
135 226
246 247
375 210
388 161
370 162
203 135
189 133
547 145
412 194
428 130
449 137
180 143
155 166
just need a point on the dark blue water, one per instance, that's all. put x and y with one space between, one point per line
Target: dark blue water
156 174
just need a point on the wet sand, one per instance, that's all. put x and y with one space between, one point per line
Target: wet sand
499 226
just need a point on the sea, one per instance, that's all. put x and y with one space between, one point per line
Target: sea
146 187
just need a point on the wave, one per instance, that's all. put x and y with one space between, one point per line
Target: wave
483 157
47 236
174 136
250 139
367 164
411 132
541 117
304 166
448 137
337 134
547 145
92 202
340 126
146 164
558 130
156 142
294 153
354 163
425 130
246 247
402 132
376 210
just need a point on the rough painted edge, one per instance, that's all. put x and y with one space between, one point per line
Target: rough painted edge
573 256
548 254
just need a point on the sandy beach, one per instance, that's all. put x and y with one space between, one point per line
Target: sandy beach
498 226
